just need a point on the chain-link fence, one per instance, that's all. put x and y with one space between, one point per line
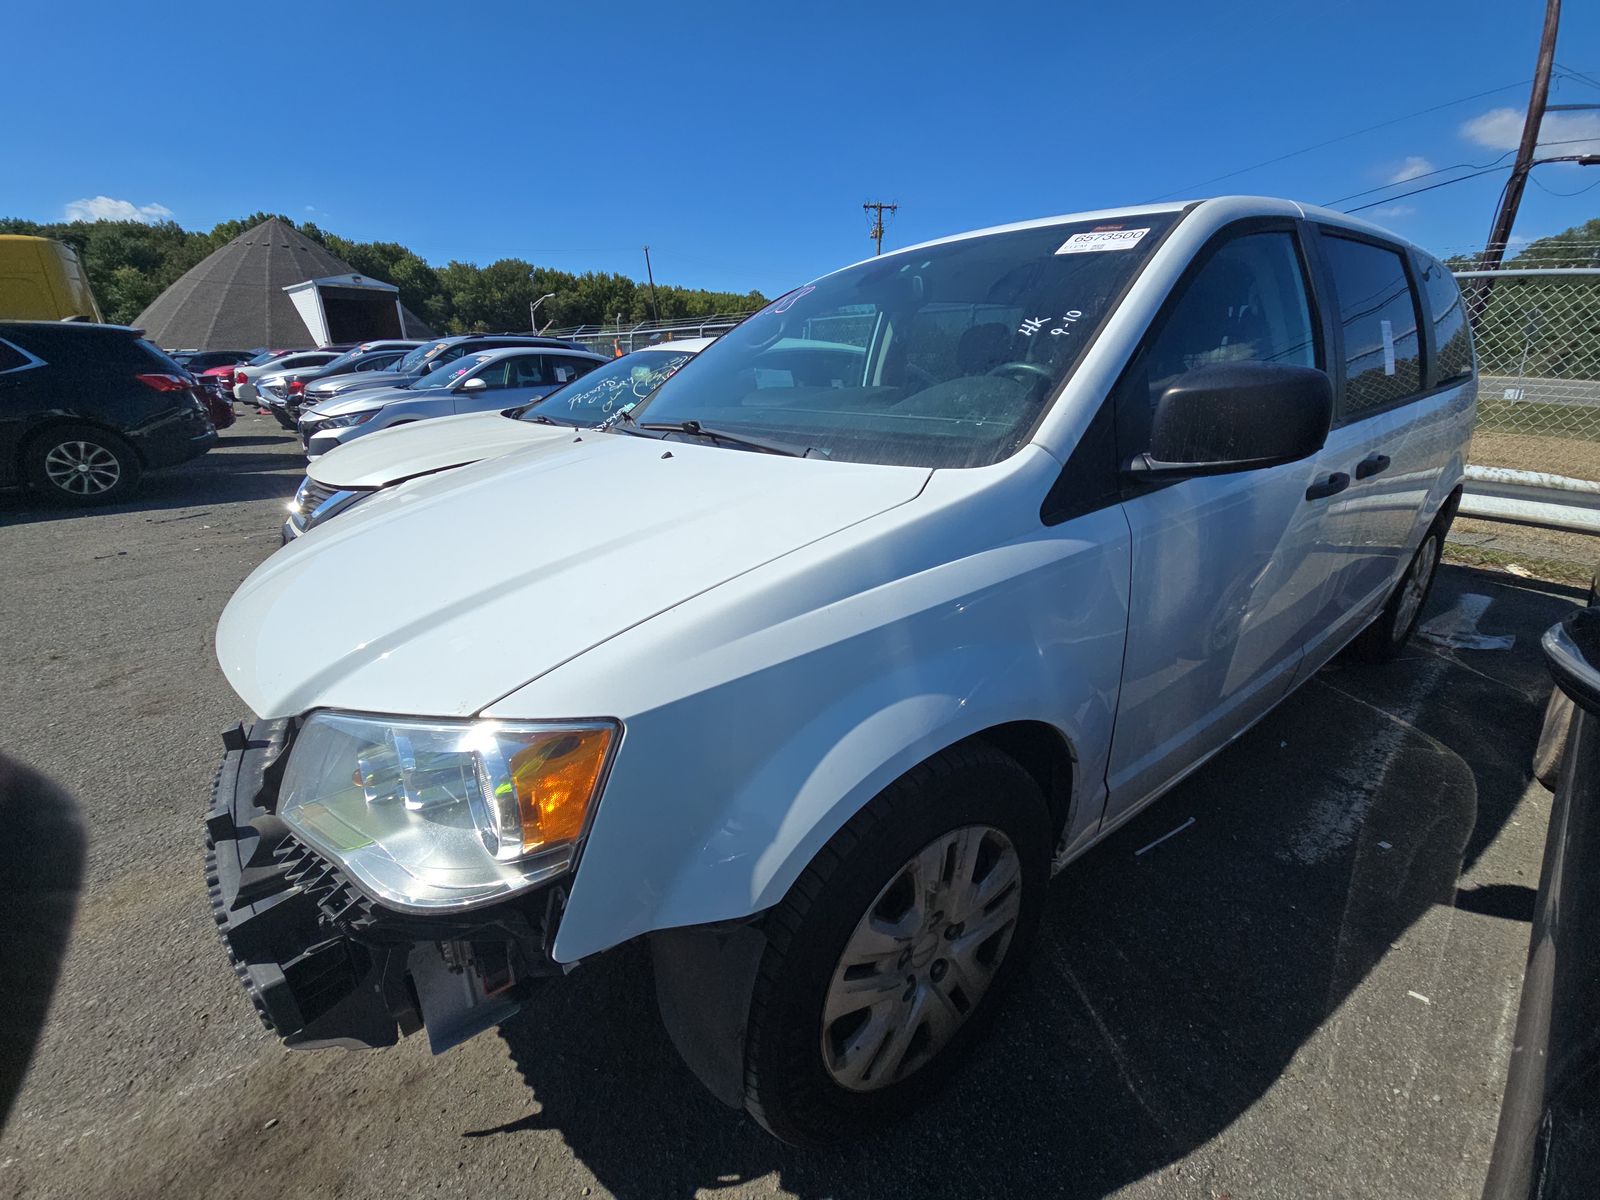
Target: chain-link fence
623 338
1538 338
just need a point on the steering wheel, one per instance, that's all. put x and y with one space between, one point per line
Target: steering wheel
1018 370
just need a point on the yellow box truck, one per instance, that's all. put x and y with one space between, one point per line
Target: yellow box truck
41 279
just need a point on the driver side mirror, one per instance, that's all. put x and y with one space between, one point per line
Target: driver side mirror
475 384
1238 417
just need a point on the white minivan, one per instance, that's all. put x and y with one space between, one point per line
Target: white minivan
812 666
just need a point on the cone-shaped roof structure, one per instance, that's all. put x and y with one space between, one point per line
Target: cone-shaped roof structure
234 298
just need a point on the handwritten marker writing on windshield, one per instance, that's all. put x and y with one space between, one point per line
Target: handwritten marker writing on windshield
1164 837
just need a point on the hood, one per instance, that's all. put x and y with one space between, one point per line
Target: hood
422 447
441 596
349 402
352 381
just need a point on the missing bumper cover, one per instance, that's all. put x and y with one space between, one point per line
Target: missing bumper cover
323 964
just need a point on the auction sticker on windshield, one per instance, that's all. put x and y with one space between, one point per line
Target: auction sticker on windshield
1102 239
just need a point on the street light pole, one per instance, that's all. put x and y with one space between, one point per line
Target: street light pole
533 307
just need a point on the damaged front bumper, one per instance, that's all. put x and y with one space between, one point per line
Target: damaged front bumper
326 965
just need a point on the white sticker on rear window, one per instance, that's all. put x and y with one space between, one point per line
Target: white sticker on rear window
1388 347
1102 239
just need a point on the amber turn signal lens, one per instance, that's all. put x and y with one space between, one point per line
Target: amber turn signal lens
555 780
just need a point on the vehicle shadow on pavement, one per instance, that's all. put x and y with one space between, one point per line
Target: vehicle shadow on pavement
212 479
41 868
1172 987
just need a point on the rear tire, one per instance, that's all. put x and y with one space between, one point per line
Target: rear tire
889 954
82 465
1382 641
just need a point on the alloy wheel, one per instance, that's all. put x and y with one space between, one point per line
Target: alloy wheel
921 958
82 468
1414 588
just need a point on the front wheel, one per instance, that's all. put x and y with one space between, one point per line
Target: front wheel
889 953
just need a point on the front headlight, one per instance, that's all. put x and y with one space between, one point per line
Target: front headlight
355 418
445 814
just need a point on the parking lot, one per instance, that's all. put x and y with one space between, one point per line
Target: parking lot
1308 990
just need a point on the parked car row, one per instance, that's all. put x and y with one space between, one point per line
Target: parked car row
281 389
809 666
335 481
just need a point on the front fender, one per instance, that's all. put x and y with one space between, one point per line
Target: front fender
753 736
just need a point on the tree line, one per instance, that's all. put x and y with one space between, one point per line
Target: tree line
130 263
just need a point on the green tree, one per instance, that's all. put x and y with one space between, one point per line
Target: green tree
130 263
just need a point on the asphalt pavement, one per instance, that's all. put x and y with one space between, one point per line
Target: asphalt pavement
1307 990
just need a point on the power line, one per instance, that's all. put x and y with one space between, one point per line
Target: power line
1550 192
1343 137
1429 188
1383 187
1491 165
1578 75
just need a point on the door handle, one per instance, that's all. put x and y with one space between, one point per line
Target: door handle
1371 465
1331 486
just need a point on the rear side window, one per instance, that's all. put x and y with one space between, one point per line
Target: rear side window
1452 334
166 362
1382 352
559 369
11 358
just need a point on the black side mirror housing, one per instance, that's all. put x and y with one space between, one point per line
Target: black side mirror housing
1238 417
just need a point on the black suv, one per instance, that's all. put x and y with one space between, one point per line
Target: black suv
85 409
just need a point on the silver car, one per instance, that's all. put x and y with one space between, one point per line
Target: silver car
483 381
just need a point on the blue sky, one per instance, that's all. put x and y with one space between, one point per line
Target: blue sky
739 140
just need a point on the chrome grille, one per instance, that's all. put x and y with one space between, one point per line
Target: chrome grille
312 495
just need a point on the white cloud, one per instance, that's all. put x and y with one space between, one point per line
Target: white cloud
1394 210
1501 129
104 208
1413 167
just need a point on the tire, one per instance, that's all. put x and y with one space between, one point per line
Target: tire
1382 641
82 465
811 1082
1553 734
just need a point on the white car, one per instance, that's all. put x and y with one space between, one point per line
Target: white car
477 382
350 474
809 675
246 374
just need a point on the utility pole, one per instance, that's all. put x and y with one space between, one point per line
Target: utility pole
877 209
1511 198
652 275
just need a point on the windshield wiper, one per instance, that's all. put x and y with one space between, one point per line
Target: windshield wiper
695 429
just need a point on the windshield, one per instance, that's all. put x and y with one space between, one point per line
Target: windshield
443 377
941 357
625 380
264 357
414 360
344 360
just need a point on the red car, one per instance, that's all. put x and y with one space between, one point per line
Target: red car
216 389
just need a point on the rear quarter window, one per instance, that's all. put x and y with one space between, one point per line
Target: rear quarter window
1452 332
